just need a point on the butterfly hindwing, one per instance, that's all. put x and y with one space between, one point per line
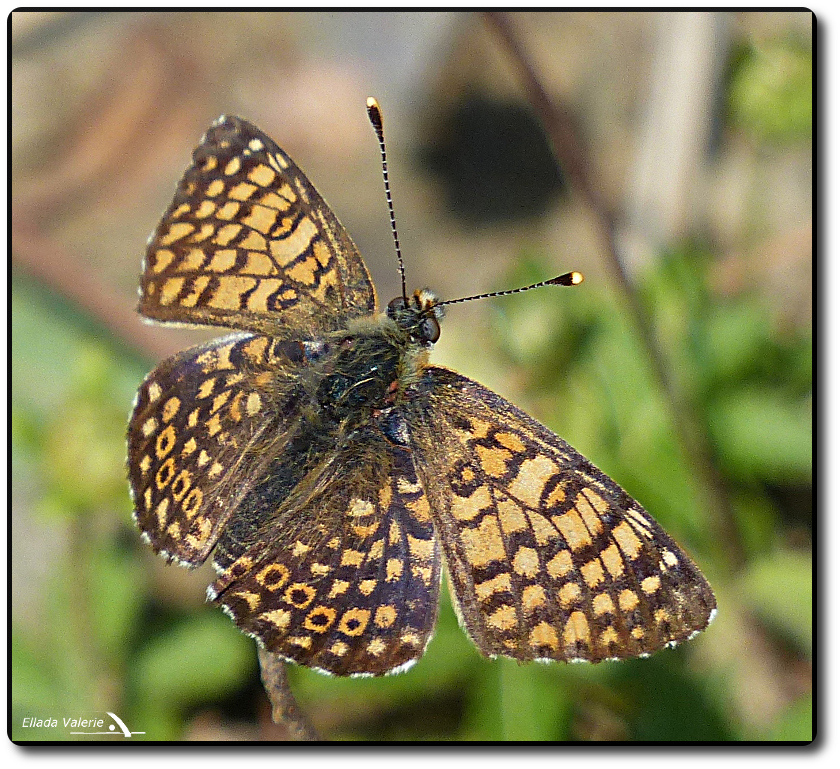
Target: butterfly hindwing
350 582
548 557
197 437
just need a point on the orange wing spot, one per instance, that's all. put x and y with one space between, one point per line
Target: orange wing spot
145 464
493 461
367 586
181 485
465 509
206 208
602 603
220 401
354 621
300 548
393 570
560 565
280 618
571 526
228 295
319 619
176 231
569 594
261 219
262 175
376 647
543 635
216 187
252 599
228 210
526 562
253 241
363 532
544 532
226 234
288 249
638 633
504 618
275 201
483 544
533 596
628 600
662 615
339 648
258 263
385 497
196 289
510 441
385 616
206 388
149 427
161 259
587 512
498 584
352 558
420 508
593 572
165 474
299 595
608 637
253 404
611 558
556 497
161 512
303 272
192 504
339 587
629 543
223 260
511 517
650 585
233 166
669 558
531 479
170 290
421 549
576 629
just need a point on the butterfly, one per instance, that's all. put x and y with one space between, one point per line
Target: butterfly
335 474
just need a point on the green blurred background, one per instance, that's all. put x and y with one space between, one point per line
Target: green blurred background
695 130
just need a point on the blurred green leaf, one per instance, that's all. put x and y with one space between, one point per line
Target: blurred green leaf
199 658
796 724
771 90
761 433
778 586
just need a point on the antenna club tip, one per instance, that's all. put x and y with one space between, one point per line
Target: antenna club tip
374 112
566 279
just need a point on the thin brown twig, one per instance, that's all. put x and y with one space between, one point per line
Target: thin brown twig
284 708
573 156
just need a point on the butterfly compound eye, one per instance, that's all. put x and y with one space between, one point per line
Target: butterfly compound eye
429 329
395 306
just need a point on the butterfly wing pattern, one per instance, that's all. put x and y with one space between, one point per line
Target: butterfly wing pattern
332 471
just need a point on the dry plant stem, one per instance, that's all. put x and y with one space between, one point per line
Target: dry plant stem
284 708
573 156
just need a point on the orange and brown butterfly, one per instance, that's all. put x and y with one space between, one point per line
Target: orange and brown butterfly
335 474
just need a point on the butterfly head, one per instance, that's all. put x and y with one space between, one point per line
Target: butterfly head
419 315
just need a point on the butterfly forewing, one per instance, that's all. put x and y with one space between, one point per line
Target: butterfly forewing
248 243
548 557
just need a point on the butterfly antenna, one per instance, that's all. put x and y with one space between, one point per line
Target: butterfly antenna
375 116
566 279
